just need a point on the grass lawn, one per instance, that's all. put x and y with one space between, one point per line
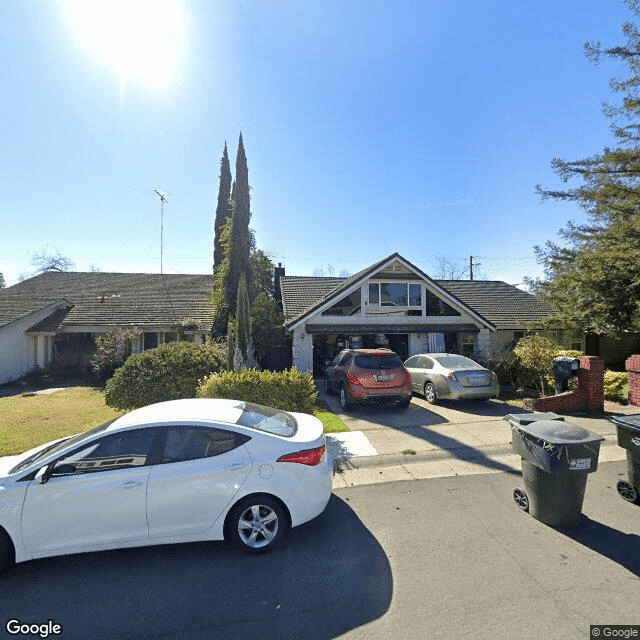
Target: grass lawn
331 422
29 420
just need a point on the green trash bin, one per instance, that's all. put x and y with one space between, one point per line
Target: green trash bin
557 457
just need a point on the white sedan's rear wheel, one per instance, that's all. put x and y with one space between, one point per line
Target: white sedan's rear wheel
257 523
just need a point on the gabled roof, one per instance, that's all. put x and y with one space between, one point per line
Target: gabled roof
499 304
16 306
113 299
503 304
317 294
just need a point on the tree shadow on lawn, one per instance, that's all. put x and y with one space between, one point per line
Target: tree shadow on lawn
327 577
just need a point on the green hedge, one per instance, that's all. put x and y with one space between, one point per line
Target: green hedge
288 390
169 372
616 386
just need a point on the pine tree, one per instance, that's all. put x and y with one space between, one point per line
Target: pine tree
593 277
223 210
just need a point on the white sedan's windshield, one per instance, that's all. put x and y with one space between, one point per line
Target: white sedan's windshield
58 446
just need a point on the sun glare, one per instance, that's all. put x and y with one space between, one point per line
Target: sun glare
140 40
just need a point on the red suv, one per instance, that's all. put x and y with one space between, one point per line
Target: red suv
368 375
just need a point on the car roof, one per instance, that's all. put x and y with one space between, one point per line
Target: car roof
372 352
188 410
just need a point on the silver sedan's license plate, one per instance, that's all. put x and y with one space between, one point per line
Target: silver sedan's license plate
384 378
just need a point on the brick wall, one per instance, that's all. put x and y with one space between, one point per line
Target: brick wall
589 394
633 367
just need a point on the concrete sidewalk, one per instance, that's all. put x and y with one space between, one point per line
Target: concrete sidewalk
432 441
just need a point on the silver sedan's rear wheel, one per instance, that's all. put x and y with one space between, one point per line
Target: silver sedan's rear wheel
257 523
430 394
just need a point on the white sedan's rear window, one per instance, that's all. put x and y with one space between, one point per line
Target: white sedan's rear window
267 419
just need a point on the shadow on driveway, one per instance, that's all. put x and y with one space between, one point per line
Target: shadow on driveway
416 420
328 577
623 548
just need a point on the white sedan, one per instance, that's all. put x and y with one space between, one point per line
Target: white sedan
177 471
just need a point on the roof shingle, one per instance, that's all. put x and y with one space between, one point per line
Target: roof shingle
113 299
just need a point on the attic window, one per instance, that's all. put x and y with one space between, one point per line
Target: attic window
348 306
395 294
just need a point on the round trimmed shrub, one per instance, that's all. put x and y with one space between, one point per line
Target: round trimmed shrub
169 372
289 390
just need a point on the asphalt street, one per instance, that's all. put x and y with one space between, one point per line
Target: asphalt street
450 557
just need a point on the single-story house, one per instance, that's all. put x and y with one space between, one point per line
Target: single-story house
393 303
55 316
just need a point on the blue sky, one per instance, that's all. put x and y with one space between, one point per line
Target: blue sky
369 126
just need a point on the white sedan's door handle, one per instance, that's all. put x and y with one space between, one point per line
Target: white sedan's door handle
130 484
233 467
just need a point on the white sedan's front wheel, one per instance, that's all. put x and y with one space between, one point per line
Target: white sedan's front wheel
257 523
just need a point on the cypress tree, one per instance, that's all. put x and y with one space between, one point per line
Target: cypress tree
241 237
223 210
243 318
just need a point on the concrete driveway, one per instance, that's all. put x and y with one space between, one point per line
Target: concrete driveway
424 427
381 435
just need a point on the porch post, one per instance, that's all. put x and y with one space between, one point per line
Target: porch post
302 350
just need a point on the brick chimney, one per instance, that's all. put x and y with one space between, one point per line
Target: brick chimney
278 273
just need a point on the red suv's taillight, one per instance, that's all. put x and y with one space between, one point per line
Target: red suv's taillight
310 457
352 378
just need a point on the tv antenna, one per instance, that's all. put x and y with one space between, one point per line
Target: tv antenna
163 199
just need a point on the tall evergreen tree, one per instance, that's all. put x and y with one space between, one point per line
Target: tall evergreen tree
237 243
593 277
241 236
223 210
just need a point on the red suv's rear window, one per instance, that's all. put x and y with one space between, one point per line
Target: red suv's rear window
382 361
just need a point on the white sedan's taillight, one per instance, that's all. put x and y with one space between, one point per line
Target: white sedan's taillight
310 457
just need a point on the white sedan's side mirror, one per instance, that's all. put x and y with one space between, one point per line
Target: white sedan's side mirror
44 474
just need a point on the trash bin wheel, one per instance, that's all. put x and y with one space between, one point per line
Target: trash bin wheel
521 498
628 491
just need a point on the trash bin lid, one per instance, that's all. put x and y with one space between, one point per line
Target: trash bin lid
526 418
632 422
559 432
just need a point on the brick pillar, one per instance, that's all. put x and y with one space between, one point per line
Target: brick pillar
633 367
591 382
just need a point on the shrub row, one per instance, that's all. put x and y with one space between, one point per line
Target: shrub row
184 370
289 390
616 386
169 372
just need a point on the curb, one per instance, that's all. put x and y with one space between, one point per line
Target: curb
461 453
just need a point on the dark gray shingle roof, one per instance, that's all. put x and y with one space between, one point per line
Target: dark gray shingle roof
502 304
123 299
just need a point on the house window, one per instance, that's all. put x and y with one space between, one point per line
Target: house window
395 294
150 340
437 307
348 306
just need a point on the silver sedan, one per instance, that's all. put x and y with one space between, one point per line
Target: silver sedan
446 376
